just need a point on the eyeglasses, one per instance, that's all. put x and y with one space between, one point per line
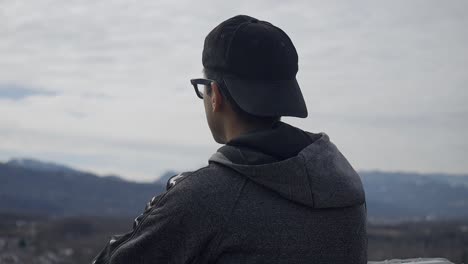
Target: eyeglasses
197 85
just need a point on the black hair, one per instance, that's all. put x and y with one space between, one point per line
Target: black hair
247 117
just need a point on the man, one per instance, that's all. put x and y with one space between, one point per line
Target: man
272 193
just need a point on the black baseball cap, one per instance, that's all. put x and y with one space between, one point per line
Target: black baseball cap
259 64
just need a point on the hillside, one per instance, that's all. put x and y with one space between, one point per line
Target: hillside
412 196
60 191
29 186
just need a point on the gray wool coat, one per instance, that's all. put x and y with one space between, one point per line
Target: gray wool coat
280 195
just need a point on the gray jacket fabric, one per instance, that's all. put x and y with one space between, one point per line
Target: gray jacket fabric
279 195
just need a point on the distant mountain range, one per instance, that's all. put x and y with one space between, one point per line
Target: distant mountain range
30 186
403 195
40 165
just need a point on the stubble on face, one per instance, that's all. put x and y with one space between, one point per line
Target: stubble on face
213 123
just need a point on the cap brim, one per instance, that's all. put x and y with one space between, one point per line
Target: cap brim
268 98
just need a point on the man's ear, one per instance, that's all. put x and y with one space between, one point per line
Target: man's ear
216 97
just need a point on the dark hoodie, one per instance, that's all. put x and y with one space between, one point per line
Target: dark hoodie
279 195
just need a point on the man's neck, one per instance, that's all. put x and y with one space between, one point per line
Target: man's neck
236 129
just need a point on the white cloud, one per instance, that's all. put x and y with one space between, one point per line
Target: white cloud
386 77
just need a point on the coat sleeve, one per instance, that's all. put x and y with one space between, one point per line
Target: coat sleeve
176 227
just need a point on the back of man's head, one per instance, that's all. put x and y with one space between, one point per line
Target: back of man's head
255 64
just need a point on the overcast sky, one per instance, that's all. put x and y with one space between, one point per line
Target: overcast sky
104 85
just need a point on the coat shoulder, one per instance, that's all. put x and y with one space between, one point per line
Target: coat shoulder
204 179
213 185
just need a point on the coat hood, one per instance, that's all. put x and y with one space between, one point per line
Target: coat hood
301 166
